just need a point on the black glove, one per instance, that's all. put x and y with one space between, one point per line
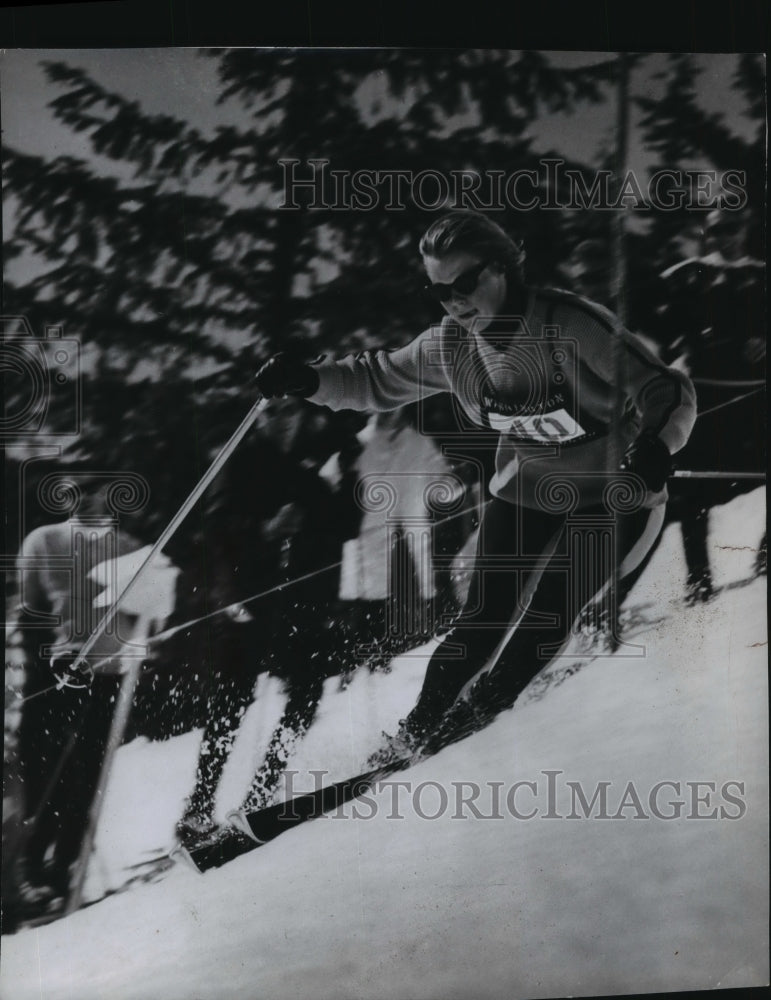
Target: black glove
282 375
649 458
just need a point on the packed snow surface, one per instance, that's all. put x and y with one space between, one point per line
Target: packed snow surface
418 892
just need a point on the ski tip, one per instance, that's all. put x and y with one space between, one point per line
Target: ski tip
240 821
229 844
181 855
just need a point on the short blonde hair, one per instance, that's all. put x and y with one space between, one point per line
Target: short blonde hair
464 230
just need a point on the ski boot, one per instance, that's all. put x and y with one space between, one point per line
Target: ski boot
401 745
195 829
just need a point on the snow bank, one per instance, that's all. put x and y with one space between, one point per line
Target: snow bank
383 902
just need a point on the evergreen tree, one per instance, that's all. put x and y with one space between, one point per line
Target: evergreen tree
179 269
684 135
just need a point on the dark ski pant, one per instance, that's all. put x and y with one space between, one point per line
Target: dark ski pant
62 739
538 569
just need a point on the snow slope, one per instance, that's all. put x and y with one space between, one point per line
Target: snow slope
394 904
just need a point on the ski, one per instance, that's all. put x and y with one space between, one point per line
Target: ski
226 845
251 829
246 830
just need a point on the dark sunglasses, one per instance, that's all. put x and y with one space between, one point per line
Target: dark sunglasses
464 284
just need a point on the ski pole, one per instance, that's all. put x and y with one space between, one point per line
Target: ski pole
131 678
195 494
114 740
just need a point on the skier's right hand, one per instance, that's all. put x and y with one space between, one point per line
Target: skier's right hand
283 375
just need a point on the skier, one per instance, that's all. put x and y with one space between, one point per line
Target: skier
576 404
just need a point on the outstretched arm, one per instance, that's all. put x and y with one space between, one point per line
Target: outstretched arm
369 380
381 380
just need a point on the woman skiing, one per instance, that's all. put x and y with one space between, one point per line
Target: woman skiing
585 420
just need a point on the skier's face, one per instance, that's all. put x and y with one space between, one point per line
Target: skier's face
472 290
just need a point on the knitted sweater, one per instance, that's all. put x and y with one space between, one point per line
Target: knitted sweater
543 386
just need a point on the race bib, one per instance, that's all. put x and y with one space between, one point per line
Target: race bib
543 428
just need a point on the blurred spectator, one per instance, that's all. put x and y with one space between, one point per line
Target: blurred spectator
713 326
64 722
390 576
